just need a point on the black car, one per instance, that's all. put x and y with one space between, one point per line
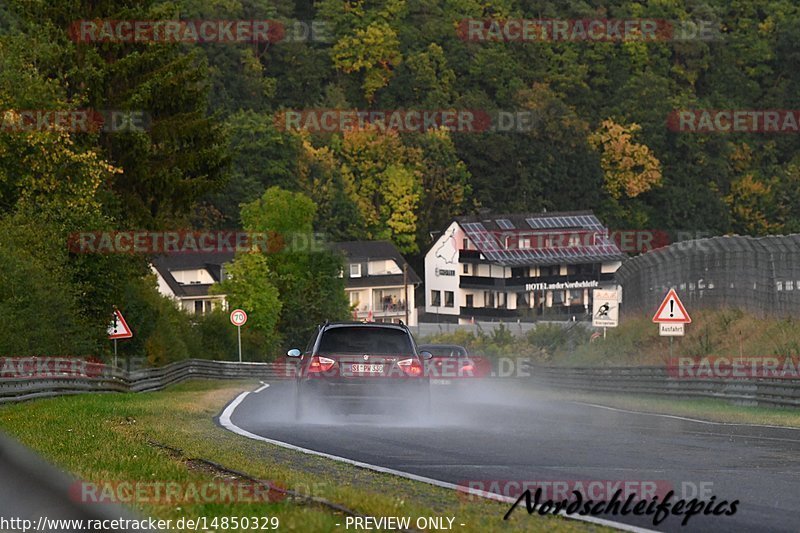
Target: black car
451 361
354 366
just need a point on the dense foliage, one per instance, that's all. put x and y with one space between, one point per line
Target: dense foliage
215 142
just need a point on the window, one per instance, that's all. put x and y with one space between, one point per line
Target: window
488 299
789 285
355 270
365 340
466 268
470 300
449 298
524 243
465 244
198 307
547 271
522 300
519 272
354 297
436 298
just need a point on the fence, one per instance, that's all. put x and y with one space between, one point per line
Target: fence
760 275
151 379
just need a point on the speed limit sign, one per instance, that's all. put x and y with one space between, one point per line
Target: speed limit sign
238 317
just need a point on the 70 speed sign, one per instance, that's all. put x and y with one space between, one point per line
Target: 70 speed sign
238 317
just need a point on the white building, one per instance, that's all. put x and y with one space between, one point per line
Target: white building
187 277
377 288
519 266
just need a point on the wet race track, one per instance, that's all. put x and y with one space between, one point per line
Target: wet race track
491 438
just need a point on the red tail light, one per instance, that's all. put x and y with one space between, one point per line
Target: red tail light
320 364
411 367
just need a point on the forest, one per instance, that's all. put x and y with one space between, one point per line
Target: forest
598 124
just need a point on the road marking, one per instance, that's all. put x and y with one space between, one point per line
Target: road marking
225 421
266 386
686 418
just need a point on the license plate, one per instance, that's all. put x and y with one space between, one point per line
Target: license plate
362 368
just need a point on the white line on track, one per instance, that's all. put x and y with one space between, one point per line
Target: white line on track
225 421
676 417
265 386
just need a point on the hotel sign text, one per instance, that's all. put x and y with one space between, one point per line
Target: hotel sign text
561 285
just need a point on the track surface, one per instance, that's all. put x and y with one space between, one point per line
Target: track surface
498 435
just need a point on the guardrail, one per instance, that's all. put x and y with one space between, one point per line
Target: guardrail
648 380
655 380
109 379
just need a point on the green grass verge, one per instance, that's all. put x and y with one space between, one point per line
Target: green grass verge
104 438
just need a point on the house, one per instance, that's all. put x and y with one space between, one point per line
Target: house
379 282
519 266
187 278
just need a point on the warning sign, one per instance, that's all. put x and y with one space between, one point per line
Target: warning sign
118 329
672 310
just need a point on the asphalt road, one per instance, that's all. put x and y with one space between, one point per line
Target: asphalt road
495 434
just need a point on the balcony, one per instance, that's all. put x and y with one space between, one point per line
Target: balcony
518 284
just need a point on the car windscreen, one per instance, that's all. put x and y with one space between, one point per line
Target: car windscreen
366 340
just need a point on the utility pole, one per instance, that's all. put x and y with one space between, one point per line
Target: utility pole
405 288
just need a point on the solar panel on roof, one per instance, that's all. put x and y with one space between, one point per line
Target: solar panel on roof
504 223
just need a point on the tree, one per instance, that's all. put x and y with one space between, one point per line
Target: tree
383 177
320 178
249 286
181 152
402 199
305 274
630 168
375 51
753 207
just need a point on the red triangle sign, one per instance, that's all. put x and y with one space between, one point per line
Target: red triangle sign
672 311
118 328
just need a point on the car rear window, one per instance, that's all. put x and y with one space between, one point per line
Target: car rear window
365 340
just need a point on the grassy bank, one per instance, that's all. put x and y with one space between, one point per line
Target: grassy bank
636 341
108 438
